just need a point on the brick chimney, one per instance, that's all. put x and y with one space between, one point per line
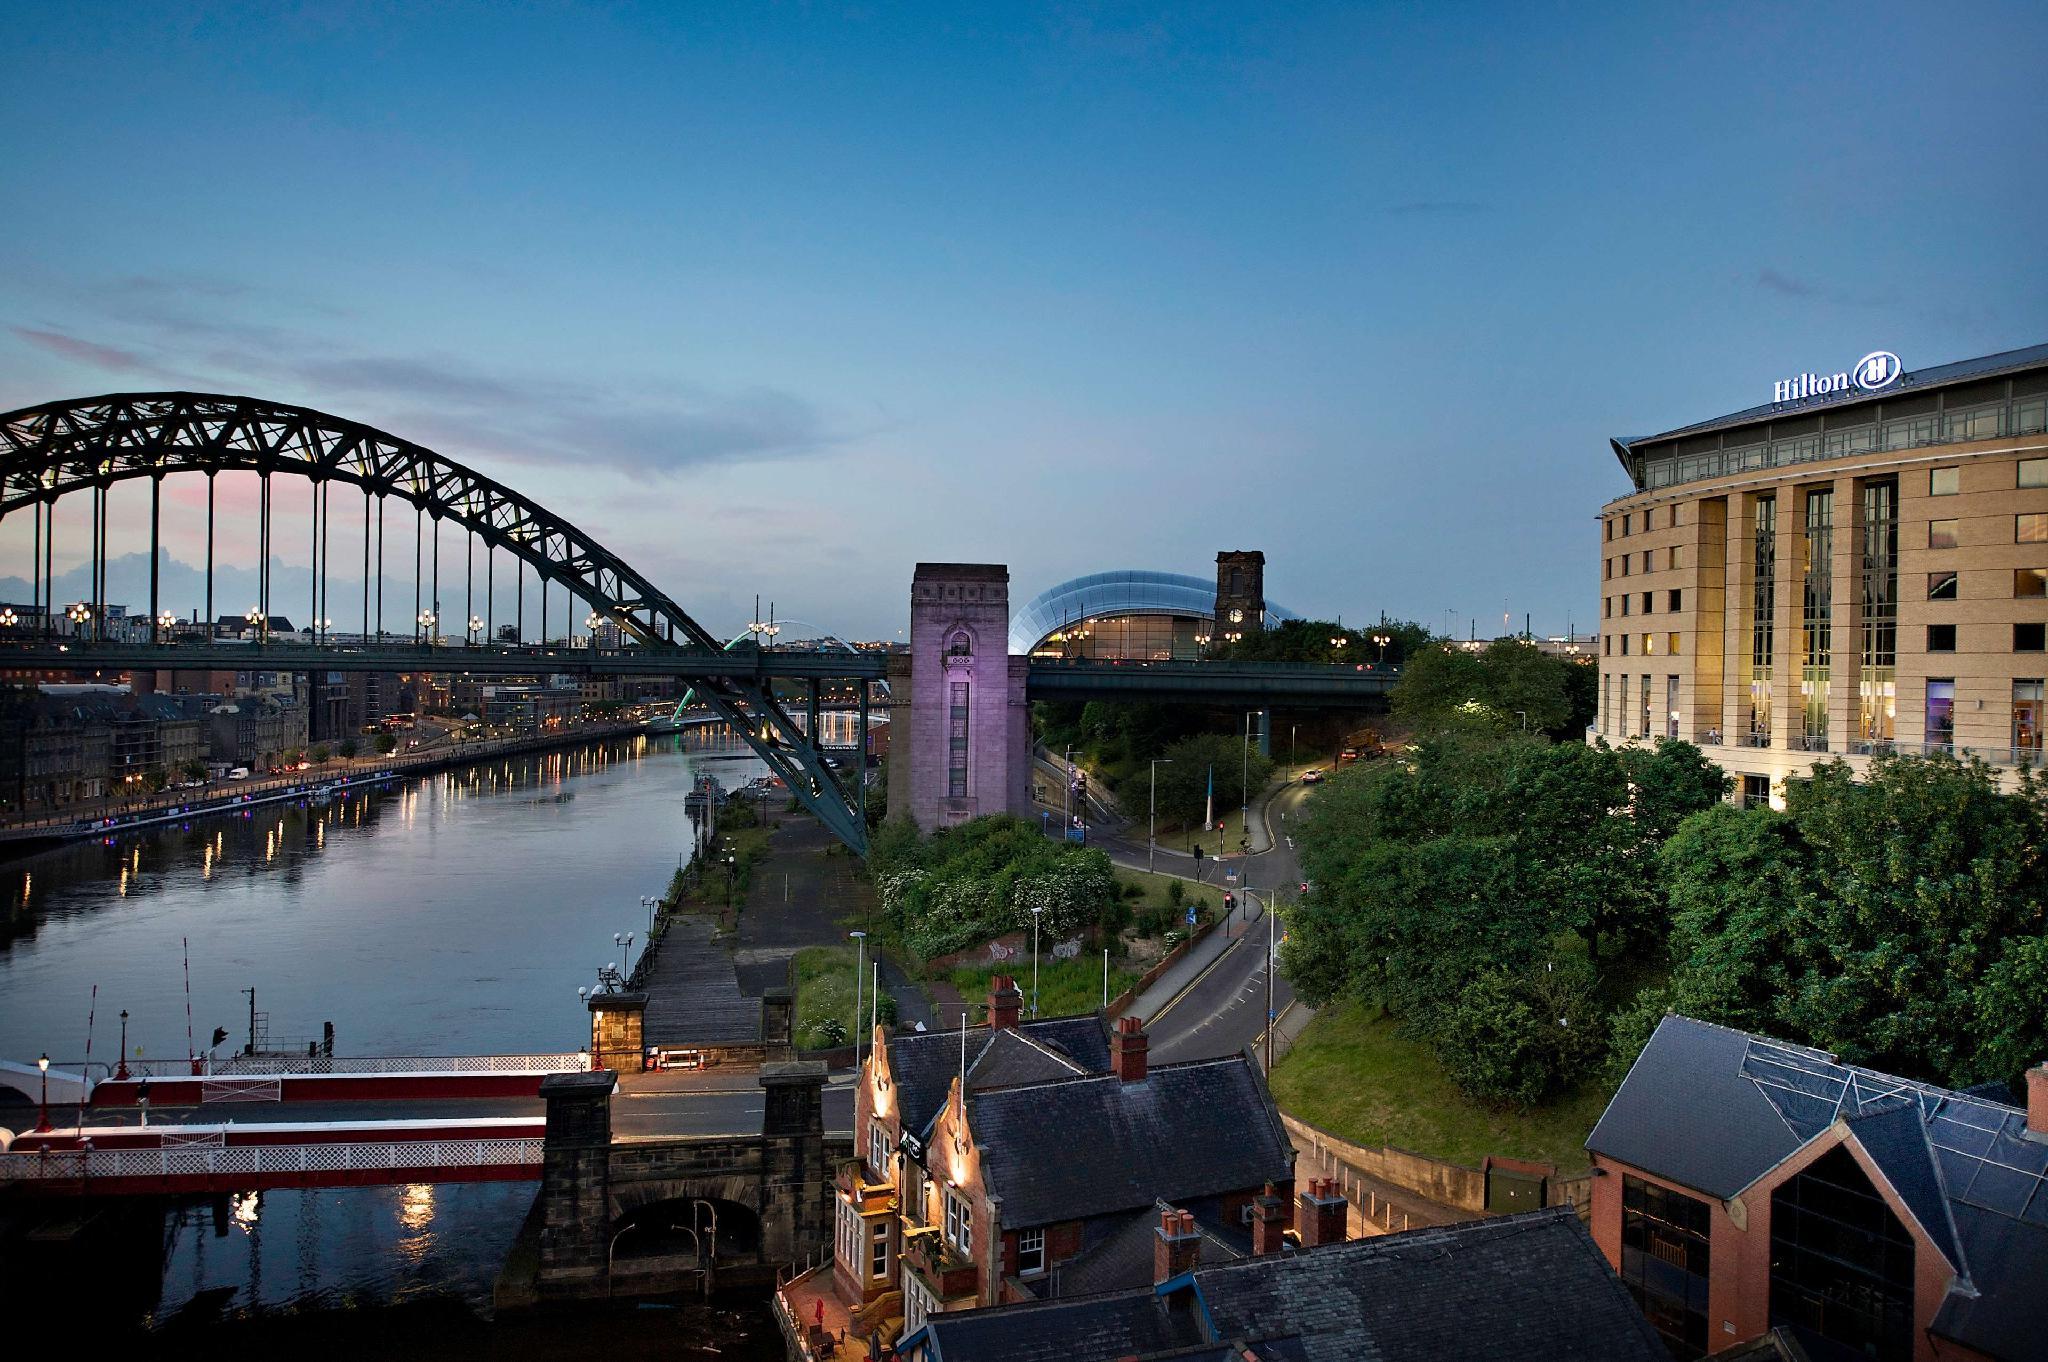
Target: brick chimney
1323 1215
1005 1002
1269 1223
1127 1047
2037 1101
1176 1247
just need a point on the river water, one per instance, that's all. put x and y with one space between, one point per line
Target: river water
454 913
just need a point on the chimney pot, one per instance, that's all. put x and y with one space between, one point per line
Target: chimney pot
1005 1002
1127 1049
2037 1100
1269 1223
1323 1215
1178 1248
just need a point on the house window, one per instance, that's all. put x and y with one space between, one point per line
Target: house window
919 1304
1841 1263
1944 482
2033 473
878 1250
1030 1253
1941 712
878 1149
1941 534
2030 529
959 1222
1665 1251
1941 586
1941 638
2030 582
848 1239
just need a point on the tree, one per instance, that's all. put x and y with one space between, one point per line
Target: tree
1509 686
1522 1039
386 744
1733 879
349 748
194 769
1184 772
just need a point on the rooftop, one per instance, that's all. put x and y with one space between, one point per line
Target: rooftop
924 1064
1715 1109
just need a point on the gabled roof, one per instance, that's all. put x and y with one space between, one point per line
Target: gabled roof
1123 1258
1716 1109
1082 1147
1532 1287
925 1063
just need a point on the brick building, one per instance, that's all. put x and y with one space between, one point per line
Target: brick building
1023 1159
1743 1184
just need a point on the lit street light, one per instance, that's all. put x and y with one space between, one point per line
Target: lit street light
1383 640
428 619
475 626
8 619
625 940
43 1122
650 903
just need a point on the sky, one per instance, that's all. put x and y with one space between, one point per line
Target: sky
783 299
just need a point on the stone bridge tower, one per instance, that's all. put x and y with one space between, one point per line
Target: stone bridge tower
959 726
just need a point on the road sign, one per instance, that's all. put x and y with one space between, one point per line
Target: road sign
1230 873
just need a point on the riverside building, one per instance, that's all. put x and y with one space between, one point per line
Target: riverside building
1857 570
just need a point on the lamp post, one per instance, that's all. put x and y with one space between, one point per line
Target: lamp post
43 1122
164 622
590 622
1382 640
258 625
625 940
8 619
121 1064
1152 819
80 615
650 903
1037 911
475 626
1244 778
1340 642
860 976
731 868
428 619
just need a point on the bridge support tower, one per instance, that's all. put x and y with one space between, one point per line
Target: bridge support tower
960 727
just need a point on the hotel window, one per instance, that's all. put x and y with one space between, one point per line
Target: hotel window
1671 644
1621 715
1944 482
1941 534
1671 705
2030 529
1665 1251
2029 638
2030 582
1817 619
1030 1252
1610 529
1941 712
959 1222
1624 606
1607 607
1624 565
1627 525
1649 601
956 756
1673 600
1606 568
2026 719
2033 473
1763 609
1756 792
1607 704
1644 727
1648 566
1649 645
878 1250
1624 645
1841 1264
1941 586
1941 638
1878 619
1677 551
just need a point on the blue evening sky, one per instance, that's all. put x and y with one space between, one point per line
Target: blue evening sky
784 298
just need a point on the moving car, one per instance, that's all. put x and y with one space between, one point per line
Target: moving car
1312 776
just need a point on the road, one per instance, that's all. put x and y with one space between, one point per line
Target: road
1223 1008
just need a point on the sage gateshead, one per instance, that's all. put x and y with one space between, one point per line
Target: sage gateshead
1858 569
1136 614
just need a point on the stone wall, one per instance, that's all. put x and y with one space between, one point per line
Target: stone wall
959 645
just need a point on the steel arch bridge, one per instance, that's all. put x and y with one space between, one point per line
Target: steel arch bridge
89 444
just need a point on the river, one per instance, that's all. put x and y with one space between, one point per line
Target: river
453 913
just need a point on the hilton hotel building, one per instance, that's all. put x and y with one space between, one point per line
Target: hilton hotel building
1858 567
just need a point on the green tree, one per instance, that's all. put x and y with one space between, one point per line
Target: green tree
1734 879
349 748
386 744
1511 685
1184 772
1521 1039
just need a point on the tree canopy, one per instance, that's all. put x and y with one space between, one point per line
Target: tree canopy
1509 686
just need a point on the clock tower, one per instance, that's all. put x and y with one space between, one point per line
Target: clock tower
1240 591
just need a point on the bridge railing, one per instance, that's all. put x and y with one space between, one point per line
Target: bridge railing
262 1065
79 1165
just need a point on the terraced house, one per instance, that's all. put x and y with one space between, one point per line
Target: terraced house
1028 1159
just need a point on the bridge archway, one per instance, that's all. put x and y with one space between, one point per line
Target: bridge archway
710 1229
87 445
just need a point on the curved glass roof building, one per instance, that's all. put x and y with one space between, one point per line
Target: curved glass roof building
1131 613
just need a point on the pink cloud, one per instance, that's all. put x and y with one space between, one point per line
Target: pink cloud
84 351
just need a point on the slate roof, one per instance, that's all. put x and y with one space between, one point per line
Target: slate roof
1715 1109
1083 1147
1529 1287
924 1063
1123 1258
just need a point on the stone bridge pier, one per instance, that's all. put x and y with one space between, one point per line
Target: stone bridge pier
771 1191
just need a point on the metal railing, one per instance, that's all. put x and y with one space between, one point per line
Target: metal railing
74 1165
257 1065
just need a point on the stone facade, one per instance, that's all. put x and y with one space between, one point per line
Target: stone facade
1240 590
616 1031
960 724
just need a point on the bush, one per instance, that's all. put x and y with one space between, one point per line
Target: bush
321 755
1176 893
1520 1041
349 747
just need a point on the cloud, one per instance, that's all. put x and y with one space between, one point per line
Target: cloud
1771 281
84 351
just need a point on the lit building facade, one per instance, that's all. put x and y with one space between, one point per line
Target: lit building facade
1854 572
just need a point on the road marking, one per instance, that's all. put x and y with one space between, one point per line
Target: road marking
1221 956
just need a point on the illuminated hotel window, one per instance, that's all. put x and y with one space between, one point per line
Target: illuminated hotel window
1941 711
1817 619
2030 529
2026 719
2030 582
1878 619
1671 702
1644 727
1763 609
1671 644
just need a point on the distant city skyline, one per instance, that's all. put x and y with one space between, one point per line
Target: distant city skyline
782 302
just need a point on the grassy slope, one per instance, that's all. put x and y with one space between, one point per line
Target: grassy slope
1065 987
1353 1076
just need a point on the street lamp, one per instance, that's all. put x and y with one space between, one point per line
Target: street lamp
860 976
590 622
650 903
121 1066
427 621
1244 780
1036 912
8 619
326 626
164 622
79 615
1340 641
475 626
1383 640
257 623
43 1123
625 940
731 868
1152 820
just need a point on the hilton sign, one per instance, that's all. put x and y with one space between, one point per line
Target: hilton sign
1878 369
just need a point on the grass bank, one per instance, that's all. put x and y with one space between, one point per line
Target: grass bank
1065 987
825 997
1353 1076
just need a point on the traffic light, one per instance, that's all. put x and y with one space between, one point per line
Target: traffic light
1198 851
220 1033
1229 902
